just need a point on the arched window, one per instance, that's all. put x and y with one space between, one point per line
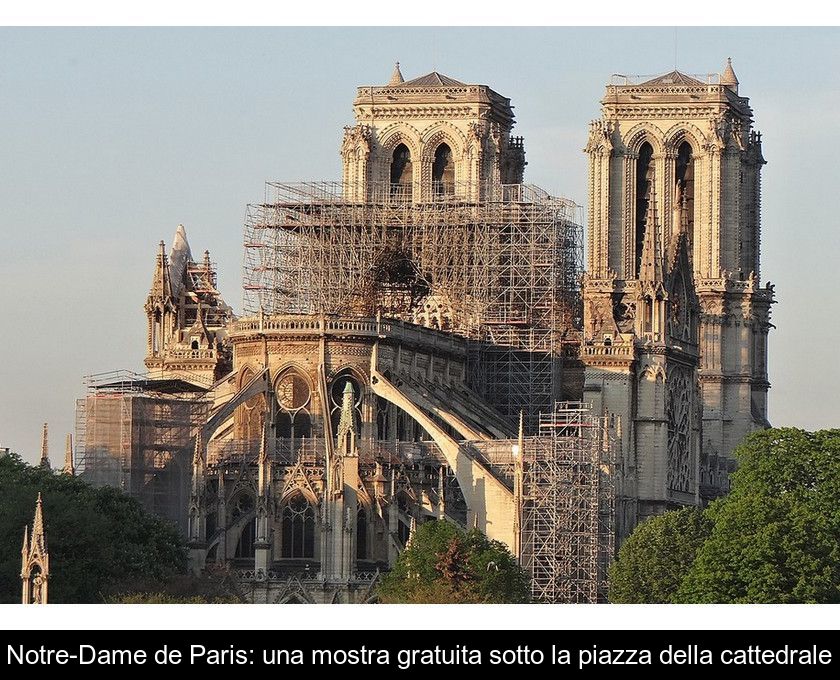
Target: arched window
298 527
443 171
156 332
337 397
250 416
245 546
644 174
294 400
684 190
401 172
361 533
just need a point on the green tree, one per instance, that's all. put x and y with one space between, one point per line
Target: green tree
776 536
656 557
445 565
100 540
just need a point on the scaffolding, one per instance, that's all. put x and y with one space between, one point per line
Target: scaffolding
566 498
503 272
136 434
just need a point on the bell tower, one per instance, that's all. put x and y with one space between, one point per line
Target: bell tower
429 137
674 168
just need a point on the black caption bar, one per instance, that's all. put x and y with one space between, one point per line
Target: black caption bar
405 652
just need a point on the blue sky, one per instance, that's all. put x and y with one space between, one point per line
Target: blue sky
111 137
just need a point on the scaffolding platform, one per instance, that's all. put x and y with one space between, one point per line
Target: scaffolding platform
503 271
135 432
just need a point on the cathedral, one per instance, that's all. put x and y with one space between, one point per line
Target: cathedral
420 341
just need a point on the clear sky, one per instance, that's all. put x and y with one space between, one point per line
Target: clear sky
111 137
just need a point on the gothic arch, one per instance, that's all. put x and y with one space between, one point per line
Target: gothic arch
334 395
641 133
292 490
294 594
300 368
348 368
438 133
652 373
399 133
294 395
298 527
246 374
684 132
249 417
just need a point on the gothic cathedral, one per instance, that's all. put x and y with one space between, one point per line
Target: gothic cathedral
675 321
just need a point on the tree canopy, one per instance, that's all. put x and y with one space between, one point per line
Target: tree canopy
654 559
100 540
443 564
776 536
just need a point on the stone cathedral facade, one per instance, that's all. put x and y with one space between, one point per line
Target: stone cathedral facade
416 326
675 318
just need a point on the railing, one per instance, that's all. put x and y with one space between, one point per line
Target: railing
307 325
323 193
620 79
284 451
278 573
312 451
600 349
191 354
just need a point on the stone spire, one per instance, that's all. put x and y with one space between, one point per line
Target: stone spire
45 448
69 466
264 465
396 76
35 561
650 269
161 285
39 540
728 76
346 436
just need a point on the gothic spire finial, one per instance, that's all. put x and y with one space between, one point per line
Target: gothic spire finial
650 268
396 76
35 562
38 538
728 76
45 447
69 466
264 464
346 434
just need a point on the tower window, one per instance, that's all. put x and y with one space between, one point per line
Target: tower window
156 332
401 172
684 190
298 528
443 171
361 533
644 174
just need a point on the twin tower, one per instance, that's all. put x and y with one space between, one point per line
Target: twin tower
675 320
672 345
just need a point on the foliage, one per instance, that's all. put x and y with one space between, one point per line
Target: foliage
776 537
445 565
166 598
654 559
100 540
